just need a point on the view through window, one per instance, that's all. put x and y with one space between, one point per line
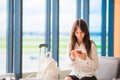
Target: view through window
34 30
3 36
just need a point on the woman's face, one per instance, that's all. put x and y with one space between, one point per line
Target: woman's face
79 34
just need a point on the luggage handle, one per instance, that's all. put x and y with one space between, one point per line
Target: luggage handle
40 46
43 45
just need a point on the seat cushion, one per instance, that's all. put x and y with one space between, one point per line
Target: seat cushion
108 68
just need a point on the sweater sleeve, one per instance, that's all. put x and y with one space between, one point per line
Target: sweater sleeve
90 64
93 61
68 59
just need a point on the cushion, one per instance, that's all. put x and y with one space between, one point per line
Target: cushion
109 68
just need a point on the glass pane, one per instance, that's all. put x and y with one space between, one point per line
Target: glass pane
33 32
67 17
2 36
95 22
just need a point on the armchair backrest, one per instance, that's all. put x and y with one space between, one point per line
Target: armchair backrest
109 68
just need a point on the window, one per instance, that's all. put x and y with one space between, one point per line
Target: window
95 23
67 17
2 36
33 32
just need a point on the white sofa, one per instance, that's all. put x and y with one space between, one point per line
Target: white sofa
109 69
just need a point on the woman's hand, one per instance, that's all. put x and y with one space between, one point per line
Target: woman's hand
73 54
81 55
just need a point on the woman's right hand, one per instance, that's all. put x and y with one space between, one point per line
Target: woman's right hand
73 54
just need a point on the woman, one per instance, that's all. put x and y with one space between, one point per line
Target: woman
82 53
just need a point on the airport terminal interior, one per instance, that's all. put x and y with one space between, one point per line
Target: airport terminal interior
26 24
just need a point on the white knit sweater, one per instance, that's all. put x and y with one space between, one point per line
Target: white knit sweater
84 68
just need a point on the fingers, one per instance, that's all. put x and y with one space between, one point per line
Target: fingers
78 54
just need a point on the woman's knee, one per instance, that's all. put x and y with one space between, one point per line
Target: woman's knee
68 78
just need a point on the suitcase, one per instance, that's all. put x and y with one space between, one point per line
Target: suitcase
48 69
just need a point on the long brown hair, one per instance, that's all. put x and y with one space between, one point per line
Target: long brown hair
86 40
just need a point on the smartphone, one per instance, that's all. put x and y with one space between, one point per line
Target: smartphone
80 52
